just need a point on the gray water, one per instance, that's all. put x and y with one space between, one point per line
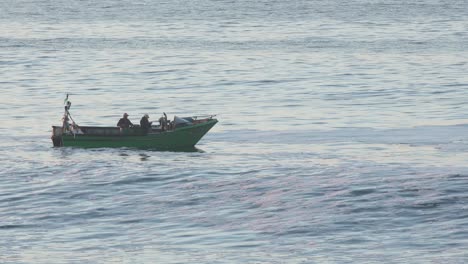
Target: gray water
343 133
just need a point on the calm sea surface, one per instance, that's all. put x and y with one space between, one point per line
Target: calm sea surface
343 133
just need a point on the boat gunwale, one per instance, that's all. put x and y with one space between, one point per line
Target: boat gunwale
208 122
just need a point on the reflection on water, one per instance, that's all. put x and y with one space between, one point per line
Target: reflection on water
123 151
183 149
144 157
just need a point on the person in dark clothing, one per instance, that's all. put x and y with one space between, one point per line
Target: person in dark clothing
124 122
145 123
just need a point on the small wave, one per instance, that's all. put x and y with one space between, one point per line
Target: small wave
23 226
362 192
136 180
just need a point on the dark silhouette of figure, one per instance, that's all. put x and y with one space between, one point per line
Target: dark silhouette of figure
124 122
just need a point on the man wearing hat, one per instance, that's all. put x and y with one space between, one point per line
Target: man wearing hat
124 122
145 123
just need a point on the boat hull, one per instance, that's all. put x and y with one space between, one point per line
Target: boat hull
179 138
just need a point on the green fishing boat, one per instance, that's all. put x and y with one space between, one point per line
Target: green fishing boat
179 133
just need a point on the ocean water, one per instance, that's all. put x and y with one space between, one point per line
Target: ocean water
343 133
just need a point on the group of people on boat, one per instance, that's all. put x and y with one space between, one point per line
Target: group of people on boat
124 122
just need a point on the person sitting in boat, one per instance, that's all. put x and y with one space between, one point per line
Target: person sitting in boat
145 123
124 122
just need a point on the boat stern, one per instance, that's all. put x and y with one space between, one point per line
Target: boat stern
56 137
